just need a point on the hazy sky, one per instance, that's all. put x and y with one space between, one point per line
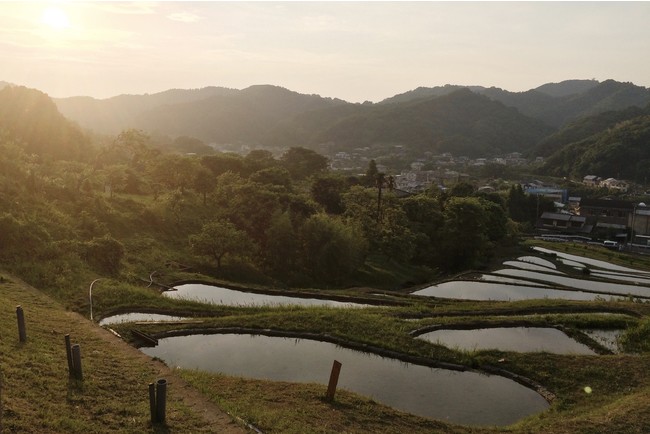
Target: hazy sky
356 51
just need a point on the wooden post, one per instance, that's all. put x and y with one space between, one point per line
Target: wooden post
334 379
20 315
161 400
68 352
76 361
152 402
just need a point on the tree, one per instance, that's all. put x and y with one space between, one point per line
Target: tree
276 176
371 174
250 206
327 190
391 235
426 222
129 147
259 159
203 182
464 231
303 163
222 163
105 254
115 176
220 238
282 248
332 248
462 189
174 172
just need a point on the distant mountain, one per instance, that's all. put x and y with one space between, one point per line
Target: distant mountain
585 127
555 104
113 115
31 119
567 87
621 151
452 119
428 92
607 96
461 122
4 84
244 116
472 120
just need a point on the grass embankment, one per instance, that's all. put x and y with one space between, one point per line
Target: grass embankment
620 384
38 395
286 407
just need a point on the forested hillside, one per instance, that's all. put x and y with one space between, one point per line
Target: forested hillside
585 127
31 117
461 122
123 209
621 151
473 121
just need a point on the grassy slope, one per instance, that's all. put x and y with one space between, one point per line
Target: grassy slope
39 397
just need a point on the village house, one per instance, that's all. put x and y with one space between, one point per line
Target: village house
564 223
591 180
615 184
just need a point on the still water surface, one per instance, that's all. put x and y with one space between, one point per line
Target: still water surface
475 290
520 339
138 316
231 297
583 284
460 397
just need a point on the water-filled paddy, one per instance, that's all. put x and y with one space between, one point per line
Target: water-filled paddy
230 297
502 279
583 284
519 339
530 266
538 261
460 397
477 290
137 316
591 262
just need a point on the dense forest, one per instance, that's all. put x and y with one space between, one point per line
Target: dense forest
74 207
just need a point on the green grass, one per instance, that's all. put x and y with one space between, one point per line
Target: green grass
112 398
38 395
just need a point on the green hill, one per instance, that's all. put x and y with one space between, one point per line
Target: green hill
622 151
30 117
461 122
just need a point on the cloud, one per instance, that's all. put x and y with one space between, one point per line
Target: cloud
184 17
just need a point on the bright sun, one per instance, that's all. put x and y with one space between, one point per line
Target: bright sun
55 18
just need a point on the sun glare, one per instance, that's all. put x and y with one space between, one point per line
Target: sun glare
55 18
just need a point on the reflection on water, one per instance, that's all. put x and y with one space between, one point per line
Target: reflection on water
470 290
538 261
459 397
623 277
495 278
231 297
528 266
520 339
584 284
591 262
137 316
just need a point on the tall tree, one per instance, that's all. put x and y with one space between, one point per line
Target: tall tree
220 238
332 248
303 163
327 191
